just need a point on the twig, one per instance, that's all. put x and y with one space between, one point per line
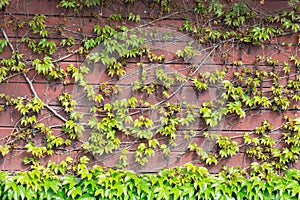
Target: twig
6 38
188 78
46 105
162 18
65 57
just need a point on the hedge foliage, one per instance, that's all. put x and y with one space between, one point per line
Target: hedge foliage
187 182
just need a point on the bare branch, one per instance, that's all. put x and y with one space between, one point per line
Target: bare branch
65 57
46 105
189 78
6 38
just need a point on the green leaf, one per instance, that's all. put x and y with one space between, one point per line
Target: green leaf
69 182
3 43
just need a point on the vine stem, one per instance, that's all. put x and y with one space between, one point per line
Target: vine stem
164 17
66 56
6 38
46 105
189 78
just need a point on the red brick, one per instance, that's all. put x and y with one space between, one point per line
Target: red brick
254 119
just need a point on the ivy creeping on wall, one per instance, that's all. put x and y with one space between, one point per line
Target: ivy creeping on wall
146 85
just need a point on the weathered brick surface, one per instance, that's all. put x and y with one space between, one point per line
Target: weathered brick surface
75 25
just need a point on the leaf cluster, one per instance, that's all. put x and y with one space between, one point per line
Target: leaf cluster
187 182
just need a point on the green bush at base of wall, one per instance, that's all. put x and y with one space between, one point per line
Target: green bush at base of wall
187 182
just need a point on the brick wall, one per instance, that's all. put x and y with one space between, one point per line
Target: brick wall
79 24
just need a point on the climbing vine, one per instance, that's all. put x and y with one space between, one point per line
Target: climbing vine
85 71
